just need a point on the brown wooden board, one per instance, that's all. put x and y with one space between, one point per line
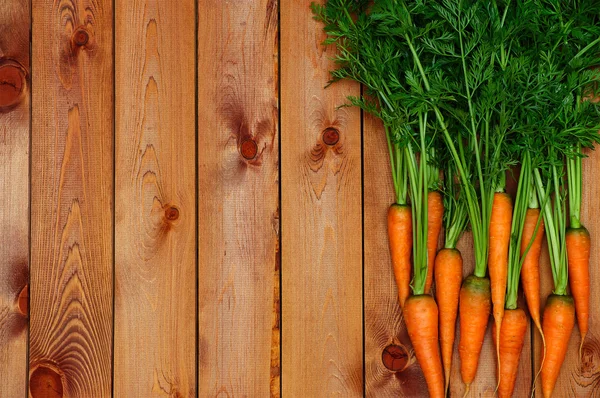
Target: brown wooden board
321 217
386 337
14 194
580 375
72 199
155 205
238 198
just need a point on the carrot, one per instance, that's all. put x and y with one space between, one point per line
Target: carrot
578 253
558 324
400 237
474 307
421 317
530 272
435 215
448 278
500 226
512 337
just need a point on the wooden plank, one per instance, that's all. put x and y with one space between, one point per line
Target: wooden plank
14 194
72 195
238 198
155 213
391 367
579 375
321 217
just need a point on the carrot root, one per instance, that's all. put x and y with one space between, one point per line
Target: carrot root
512 338
435 215
558 324
448 278
578 252
474 308
399 220
421 317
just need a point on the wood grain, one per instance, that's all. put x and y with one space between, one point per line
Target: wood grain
580 376
321 217
238 198
72 194
14 195
384 324
155 205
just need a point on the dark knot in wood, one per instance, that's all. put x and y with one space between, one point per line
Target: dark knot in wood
12 81
81 36
172 213
249 149
45 382
331 136
395 357
23 301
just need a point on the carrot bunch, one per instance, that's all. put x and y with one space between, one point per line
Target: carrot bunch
474 88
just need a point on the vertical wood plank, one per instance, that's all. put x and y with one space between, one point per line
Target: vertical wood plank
580 375
155 212
238 198
321 217
72 199
14 194
386 337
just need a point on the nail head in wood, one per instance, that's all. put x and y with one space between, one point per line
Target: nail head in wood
395 357
12 81
172 213
249 149
331 136
81 37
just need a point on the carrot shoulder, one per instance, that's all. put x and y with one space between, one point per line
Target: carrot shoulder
558 324
400 238
448 278
421 317
435 215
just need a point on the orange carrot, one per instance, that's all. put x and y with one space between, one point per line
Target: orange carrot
400 237
448 277
512 337
530 272
435 215
578 252
500 225
558 324
421 317
474 307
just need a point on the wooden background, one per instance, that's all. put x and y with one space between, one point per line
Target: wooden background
185 211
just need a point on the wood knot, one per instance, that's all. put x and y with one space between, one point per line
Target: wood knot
23 301
81 37
172 213
331 136
12 82
395 357
249 149
45 382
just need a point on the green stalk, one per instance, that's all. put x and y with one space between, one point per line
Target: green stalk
574 183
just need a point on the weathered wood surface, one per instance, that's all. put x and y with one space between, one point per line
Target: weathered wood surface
322 351
155 205
72 199
238 228
14 194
